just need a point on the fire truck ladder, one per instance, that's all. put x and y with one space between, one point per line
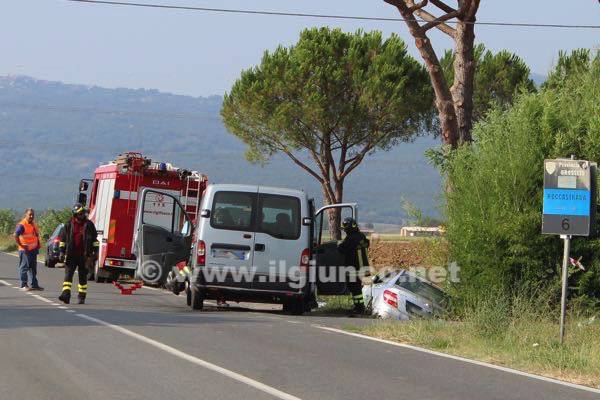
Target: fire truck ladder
191 199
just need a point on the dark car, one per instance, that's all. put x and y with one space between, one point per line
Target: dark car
52 247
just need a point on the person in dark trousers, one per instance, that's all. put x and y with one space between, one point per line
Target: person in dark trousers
79 244
27 237
355 249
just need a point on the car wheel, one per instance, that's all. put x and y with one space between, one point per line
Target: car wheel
197 299
51 263
188 294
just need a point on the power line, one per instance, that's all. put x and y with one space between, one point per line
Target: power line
328 16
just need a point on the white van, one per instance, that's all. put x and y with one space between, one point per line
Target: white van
252 243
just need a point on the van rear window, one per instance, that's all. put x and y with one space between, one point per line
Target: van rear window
279 216
233 211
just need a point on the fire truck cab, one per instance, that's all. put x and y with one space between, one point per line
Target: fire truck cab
113 202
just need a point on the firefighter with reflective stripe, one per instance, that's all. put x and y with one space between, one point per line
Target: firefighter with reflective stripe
355 249
79 244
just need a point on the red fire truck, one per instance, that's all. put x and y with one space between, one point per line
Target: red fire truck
113 194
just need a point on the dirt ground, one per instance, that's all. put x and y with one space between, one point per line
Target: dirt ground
409 253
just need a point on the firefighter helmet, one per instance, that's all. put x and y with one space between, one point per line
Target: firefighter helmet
78 208
349 224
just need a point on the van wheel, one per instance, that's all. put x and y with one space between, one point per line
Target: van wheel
197 299
294 306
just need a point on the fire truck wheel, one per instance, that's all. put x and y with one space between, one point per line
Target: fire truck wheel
197 299
114 276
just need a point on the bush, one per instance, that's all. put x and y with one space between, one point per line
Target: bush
8 221
49 220
495 203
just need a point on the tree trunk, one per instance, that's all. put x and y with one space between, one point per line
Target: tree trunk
333 216
464 75
443 97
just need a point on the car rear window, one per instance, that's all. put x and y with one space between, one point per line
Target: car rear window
422 289
279 216
233 211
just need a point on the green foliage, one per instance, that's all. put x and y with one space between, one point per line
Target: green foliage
494 207
498 78
335 95
8 221
50 219
567 66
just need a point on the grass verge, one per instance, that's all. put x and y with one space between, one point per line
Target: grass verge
7 243
523 343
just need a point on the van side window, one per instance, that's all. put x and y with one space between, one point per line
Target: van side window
279 216
233 211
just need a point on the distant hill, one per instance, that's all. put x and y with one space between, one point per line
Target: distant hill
52 134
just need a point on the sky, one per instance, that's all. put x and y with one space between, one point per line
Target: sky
202 53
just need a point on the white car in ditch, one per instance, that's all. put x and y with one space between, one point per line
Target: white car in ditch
402 295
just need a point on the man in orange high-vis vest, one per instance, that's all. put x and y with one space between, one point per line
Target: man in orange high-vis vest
27 237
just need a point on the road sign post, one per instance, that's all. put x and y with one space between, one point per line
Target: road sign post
569 209
565 279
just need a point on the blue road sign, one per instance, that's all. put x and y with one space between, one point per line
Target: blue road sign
567 202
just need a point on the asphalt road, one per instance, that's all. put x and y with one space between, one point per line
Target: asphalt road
151 346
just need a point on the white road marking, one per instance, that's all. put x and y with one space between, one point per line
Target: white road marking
466 360
45 300
63 308
195 360
69 310
5 283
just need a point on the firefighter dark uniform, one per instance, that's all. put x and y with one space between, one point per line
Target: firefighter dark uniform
355 249
79 244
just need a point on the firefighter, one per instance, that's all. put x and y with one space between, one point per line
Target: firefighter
79 244
355 249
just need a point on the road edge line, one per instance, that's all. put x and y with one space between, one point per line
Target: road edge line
195 360
463 359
